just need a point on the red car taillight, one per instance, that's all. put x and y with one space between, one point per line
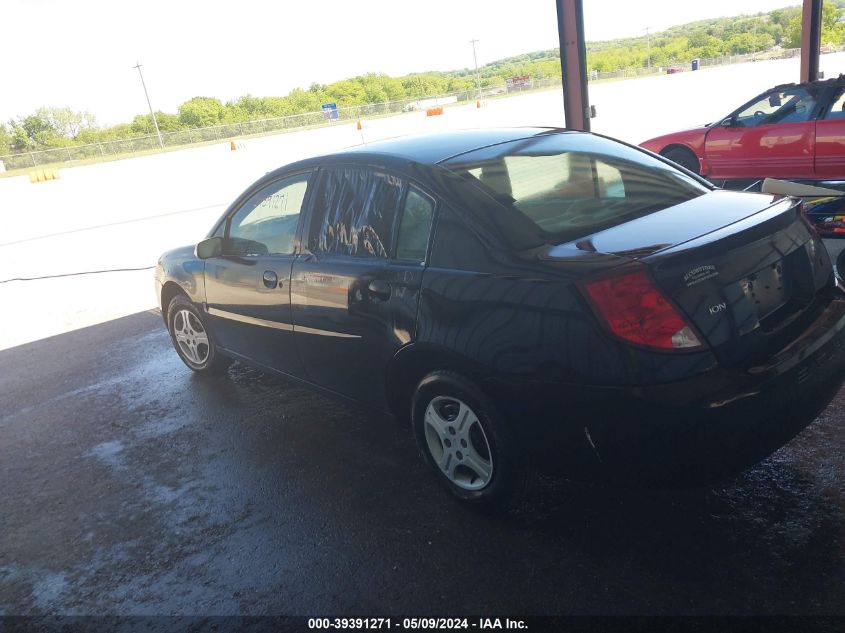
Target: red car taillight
636 311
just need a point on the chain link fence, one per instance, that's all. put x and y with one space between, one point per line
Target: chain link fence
217 133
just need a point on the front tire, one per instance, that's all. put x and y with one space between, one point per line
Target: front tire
191 338
683 157
465 439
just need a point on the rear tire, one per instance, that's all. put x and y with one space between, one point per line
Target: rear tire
192 339
467 442
683 157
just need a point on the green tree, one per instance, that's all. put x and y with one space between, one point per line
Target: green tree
5 140
276 107
784 17
114 133
31 132
831 31
20 139
299 101
64 122
741 43
348 92
143 123
201 112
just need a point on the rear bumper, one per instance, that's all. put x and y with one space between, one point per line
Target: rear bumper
694 431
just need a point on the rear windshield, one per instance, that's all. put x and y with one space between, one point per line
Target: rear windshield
573 185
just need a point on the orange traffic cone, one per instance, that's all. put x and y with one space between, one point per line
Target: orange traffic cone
358 125
478 103
232 146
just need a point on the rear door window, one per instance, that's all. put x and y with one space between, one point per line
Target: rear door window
354 212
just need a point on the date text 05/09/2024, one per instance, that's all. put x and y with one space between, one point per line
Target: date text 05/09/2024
413 624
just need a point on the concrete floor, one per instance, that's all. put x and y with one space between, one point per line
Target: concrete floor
131 486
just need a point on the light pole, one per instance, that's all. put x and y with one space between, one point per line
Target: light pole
152 114
648 47
477 76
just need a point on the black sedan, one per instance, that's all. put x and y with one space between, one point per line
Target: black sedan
527 298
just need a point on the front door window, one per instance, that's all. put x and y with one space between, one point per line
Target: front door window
266 223
792 105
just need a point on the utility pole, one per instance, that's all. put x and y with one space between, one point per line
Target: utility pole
475 59
152 114
648 46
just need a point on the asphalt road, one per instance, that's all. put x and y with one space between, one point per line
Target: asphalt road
131 486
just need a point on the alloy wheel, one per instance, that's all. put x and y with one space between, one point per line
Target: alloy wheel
457 442
191 336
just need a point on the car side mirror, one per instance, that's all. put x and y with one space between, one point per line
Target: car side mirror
211 247
729 122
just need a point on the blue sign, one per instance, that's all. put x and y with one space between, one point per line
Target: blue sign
330 111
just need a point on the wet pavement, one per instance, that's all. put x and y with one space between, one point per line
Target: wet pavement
131 486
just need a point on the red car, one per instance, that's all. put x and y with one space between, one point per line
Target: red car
793 131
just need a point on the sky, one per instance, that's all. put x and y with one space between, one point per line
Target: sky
80 53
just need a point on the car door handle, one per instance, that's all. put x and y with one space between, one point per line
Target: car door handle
379 288
270 279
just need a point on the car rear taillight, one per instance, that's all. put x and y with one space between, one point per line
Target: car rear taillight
636 311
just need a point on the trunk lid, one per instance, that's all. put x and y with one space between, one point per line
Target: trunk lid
746 269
